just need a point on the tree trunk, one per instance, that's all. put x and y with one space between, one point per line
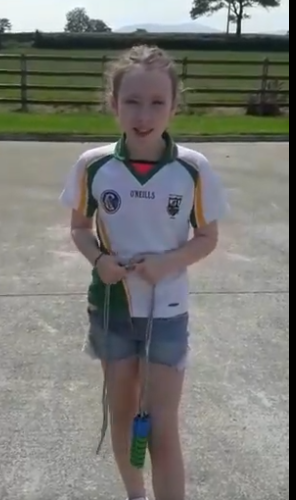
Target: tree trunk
239 24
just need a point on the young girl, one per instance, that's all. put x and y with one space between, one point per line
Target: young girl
143 193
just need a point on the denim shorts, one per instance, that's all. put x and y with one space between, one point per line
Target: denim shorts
125 339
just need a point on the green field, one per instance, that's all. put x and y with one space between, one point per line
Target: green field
99 125
211 84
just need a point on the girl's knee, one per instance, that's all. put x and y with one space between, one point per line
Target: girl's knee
123 389
164 433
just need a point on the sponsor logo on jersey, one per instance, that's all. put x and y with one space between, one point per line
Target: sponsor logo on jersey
111 201
148 195
174 204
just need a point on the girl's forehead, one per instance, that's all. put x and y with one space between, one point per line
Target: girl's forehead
145 80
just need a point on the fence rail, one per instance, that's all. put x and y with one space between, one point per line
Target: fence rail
107 59
95 74
85 88
271 86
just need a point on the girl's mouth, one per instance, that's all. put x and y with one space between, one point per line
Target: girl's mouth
143 133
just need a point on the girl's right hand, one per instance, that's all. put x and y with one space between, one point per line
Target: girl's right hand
109 270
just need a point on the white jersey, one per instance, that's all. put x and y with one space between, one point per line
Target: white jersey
141 214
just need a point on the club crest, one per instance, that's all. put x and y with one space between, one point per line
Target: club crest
174 204
111 201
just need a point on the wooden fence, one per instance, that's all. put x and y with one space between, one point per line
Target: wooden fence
268 86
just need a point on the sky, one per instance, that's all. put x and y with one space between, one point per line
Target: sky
49 15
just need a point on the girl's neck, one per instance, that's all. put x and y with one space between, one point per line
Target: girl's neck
151 153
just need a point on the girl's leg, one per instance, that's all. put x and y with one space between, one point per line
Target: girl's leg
168 356
165 447
123 388
118 355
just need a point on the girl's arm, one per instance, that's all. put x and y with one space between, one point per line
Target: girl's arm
85 240
203 243
156 267
84 237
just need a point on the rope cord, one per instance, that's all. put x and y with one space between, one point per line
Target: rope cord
145 379
105 403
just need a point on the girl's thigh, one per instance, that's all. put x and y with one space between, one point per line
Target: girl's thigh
111 344
119 355
168 359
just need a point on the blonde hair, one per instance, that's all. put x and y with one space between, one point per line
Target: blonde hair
148 58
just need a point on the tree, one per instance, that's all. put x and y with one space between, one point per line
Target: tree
238 9
97 26
79 22
5 25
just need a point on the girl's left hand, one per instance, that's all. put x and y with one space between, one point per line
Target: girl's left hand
153 269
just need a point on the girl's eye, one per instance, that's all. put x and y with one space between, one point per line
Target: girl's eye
131 101
158 103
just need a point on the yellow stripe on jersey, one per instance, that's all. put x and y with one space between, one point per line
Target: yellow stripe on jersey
128 296
102 233
83 193
197 216
87 204
105 240
198 204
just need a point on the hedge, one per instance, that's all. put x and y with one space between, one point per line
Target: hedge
15 39
168 41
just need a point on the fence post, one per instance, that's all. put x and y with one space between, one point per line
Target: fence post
264 82
24 87
104 84
184 79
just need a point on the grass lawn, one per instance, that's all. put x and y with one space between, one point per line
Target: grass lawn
93 124
216 81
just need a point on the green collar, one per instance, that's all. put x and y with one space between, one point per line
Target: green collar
169 155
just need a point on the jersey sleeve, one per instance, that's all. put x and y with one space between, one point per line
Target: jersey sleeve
210 202
77 192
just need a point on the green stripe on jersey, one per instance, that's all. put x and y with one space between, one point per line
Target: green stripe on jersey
192 170
91 172
119 299
169 155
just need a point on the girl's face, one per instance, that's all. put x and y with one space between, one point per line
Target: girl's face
145 105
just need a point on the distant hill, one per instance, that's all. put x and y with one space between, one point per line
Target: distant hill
190 27
282 32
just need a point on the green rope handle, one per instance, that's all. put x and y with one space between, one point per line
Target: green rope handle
140 438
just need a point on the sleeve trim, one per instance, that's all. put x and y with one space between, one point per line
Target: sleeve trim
83 193
198 204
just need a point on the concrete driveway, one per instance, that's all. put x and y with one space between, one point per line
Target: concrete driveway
235 423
